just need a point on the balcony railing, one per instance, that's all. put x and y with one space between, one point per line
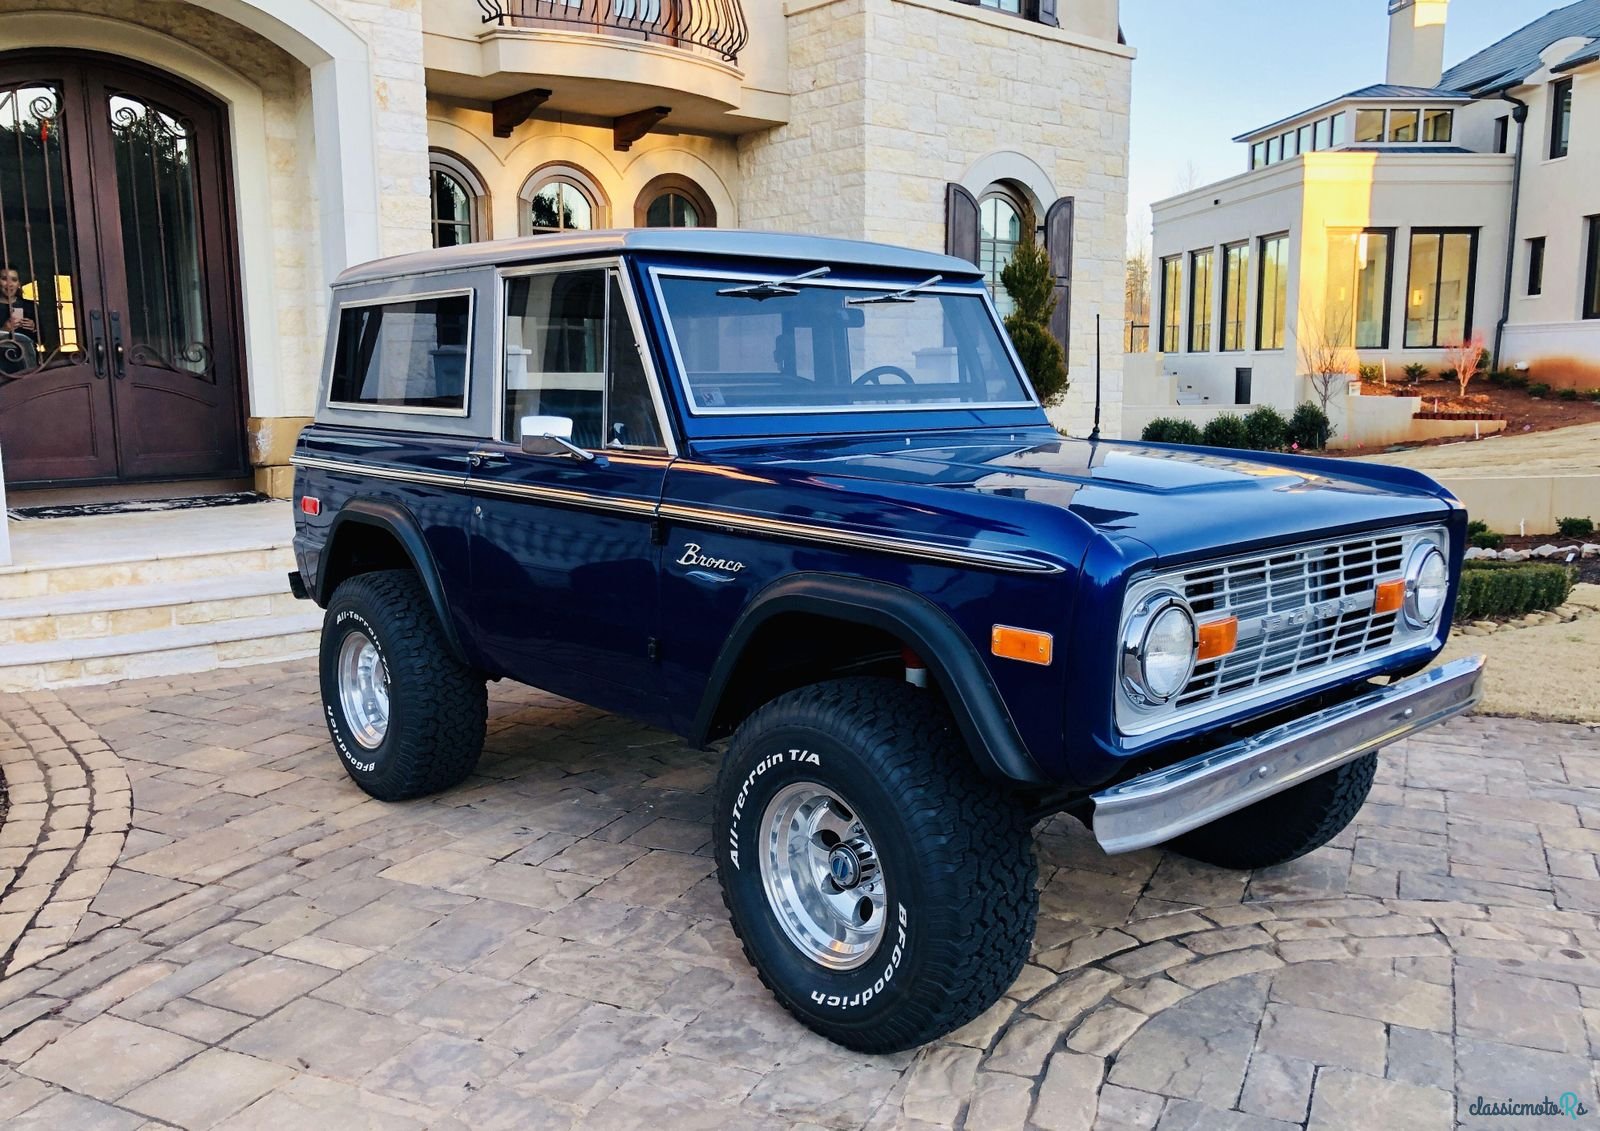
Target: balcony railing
717 26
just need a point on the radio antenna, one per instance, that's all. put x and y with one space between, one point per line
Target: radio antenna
1095 434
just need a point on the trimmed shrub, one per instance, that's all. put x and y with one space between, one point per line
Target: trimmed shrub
1571 527
1266 429
1226 431
1538 389
1510 589
1486 540
1518 380
1567 394
1168 430
1309 428
1416 371
1370 372
1501 377
1477 526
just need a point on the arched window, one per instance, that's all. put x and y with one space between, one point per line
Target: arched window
1000 212
458 197
671 201
560 198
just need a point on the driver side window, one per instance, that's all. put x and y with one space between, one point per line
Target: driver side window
571 355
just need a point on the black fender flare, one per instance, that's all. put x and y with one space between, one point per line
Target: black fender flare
393 518
979 711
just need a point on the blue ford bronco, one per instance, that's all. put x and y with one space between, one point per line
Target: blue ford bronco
797 494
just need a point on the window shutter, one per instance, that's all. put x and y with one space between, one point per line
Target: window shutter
1058 242
1047 13
960 223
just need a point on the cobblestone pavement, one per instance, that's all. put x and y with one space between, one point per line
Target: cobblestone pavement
245 940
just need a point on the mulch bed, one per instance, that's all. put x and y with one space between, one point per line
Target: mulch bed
1521 412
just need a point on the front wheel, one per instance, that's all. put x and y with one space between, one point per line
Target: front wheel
406 716
883 890
1286 825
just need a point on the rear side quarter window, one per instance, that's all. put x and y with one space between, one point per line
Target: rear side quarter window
411 355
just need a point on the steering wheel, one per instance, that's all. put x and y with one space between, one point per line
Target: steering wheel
870 377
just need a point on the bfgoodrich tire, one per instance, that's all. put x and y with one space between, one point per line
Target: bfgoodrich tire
883 890
406 716
1286 825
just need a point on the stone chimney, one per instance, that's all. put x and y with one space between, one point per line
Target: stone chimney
1416 42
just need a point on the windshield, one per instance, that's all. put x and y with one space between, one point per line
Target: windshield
814 346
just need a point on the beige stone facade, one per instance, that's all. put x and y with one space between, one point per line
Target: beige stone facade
839 117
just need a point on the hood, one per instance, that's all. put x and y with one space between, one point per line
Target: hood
1178 501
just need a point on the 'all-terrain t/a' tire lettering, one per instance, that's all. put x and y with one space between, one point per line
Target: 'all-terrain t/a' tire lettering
883 890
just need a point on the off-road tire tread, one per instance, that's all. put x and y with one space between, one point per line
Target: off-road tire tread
443 739
1286 825
978 840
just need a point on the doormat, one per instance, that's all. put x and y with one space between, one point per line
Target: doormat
137 506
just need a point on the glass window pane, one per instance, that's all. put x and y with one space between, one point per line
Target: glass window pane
1323 135
1171 302
1369 125
560 206
1340 124
39 293
1235 294
1274 293
1258 155
1402 126
1560 118
633 422
1200 296
1274 150
1303 140
1536 266
999 232
816 350
1591 272
1455 284
1291 145
555 352
403 354
1421 299
1438 125
1357 294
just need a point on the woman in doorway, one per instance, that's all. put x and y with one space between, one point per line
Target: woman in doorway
19 324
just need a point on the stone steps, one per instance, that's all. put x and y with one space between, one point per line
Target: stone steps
98 599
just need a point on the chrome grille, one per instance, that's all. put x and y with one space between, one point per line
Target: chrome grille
1299 609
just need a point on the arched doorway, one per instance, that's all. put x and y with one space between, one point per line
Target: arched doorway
119 299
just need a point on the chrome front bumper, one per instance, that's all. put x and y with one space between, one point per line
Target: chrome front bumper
1155 807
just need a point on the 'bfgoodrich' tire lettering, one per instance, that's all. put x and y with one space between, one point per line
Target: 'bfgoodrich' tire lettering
955 859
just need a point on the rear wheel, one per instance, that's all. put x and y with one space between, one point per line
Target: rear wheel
1286 825
883 890
406 716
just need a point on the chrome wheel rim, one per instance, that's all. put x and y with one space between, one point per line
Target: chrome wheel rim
364 690
822 876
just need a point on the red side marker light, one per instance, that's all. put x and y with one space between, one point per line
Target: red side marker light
310 504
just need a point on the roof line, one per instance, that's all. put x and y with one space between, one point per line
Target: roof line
1357 96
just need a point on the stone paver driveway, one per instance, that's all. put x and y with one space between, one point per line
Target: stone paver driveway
243 939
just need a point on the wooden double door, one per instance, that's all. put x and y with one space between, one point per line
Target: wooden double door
119 353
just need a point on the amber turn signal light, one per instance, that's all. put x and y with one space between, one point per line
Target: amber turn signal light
1217 638
1390 596
1021 644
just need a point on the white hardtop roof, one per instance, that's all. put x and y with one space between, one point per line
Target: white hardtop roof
723 242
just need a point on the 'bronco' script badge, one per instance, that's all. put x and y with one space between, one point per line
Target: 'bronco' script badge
693 557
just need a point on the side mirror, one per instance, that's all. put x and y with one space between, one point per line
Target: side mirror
550 436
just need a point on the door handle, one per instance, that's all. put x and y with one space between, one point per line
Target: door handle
117 356
97 343
486 458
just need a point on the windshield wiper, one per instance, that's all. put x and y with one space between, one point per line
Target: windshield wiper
909 294
773 288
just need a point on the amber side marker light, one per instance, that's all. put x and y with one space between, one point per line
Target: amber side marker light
1021 644
1217 638
1390 597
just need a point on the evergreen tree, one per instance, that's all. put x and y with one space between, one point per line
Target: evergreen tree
1031 284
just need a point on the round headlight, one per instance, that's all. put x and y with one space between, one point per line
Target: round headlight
1158 648
1427 585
